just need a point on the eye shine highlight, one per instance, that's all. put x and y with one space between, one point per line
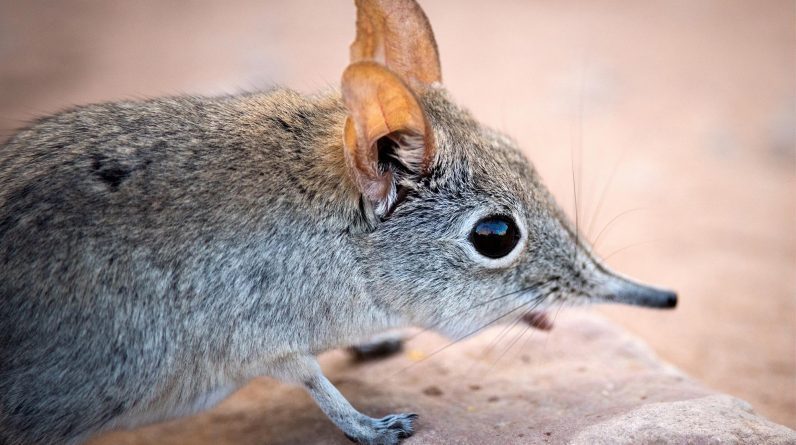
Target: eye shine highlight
495 236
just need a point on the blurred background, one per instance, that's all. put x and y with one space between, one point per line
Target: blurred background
676 119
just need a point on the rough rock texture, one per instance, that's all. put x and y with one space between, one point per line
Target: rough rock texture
586 382
716 419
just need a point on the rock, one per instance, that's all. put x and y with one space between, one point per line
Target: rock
586 382
717 419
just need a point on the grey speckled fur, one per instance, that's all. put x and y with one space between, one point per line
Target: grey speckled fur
156 255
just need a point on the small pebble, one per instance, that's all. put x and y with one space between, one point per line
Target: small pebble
433 391
415 355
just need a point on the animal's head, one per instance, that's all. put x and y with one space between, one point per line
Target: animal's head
465 231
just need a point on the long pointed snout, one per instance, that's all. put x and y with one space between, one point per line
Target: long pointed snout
622 290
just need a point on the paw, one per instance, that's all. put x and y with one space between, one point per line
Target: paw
377 349
385 431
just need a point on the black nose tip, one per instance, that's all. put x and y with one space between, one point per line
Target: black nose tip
657 298
671 300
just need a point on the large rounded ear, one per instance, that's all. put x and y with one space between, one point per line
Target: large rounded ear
396 33
386 134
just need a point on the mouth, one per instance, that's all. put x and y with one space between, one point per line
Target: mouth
539 320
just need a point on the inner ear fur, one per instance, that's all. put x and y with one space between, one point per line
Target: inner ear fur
383 114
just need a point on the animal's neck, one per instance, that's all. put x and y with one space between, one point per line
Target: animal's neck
303 148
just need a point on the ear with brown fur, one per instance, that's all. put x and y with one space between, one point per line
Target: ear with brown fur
397 34
386 133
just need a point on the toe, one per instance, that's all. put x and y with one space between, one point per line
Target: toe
388 430
402 425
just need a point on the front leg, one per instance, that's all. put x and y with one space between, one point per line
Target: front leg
356 426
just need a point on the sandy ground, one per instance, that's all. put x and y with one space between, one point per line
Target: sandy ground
678 120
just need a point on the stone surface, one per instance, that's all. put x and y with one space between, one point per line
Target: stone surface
717 419
586 382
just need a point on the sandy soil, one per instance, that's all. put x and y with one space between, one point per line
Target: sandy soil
678 120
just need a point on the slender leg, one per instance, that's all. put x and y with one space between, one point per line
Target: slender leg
356 426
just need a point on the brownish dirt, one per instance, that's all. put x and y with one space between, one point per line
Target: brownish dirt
685 111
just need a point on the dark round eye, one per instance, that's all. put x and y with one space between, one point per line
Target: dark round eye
495 236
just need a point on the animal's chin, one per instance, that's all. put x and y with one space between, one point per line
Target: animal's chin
538 319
